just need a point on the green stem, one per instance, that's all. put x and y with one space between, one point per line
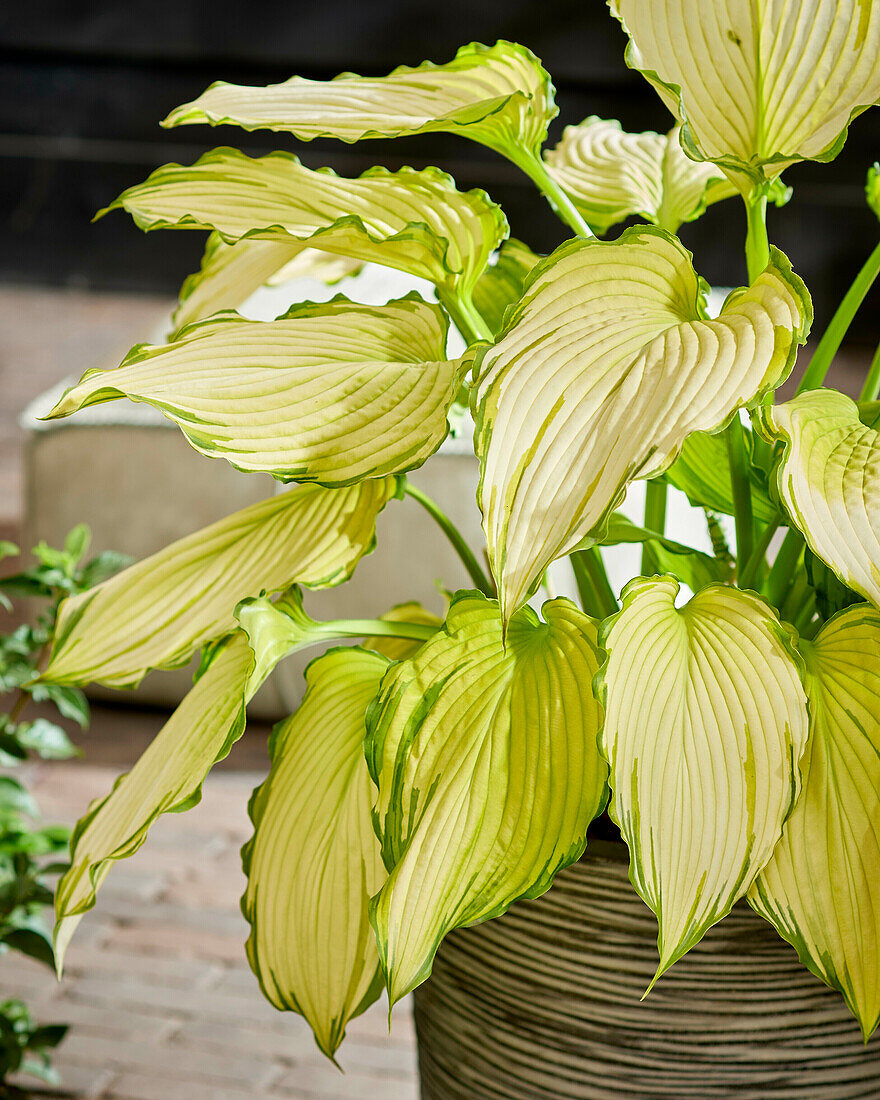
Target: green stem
757 245
742 491
467 556
655 517
537 172
466 317
872 383
367 628
833 336
749 572
596 594
783 569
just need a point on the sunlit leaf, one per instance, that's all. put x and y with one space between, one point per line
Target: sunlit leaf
488 773
311 943
821 889
498 95
168 776
414 221
758 84
230 273
605 366
333 393
705 721
158 612
829 482
611 175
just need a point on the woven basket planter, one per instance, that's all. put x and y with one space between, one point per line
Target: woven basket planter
544 1004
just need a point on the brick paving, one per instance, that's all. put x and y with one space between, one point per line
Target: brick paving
161 1003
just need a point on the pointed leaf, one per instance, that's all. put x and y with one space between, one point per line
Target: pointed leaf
821 889
498 95
702 473
605 366
399 649
488 773
414 221
168 776
502 283
311 944
705 720
828 481
759 84
158 612
230 273
333 392
611 175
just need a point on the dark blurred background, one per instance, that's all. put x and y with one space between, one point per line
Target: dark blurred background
83 86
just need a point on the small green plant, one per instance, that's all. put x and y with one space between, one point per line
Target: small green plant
30 854
429 781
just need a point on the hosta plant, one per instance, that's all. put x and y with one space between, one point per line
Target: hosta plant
724 711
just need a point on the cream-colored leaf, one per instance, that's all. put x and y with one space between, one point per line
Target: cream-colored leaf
705 721
312 263
821 889
230 273
610 175
758 84
498 95
311 944
156 613
606 365
488 773
333 392
829 482
168 776
414 221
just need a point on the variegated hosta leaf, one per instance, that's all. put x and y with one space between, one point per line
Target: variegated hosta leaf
156 613
605 366
610 175
399 649
333 392
705 721
312 263
821 889
311 944
502 284
230 273
692 566
829 482
498 95
168 777
702 473
488 773
414 221
759 84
